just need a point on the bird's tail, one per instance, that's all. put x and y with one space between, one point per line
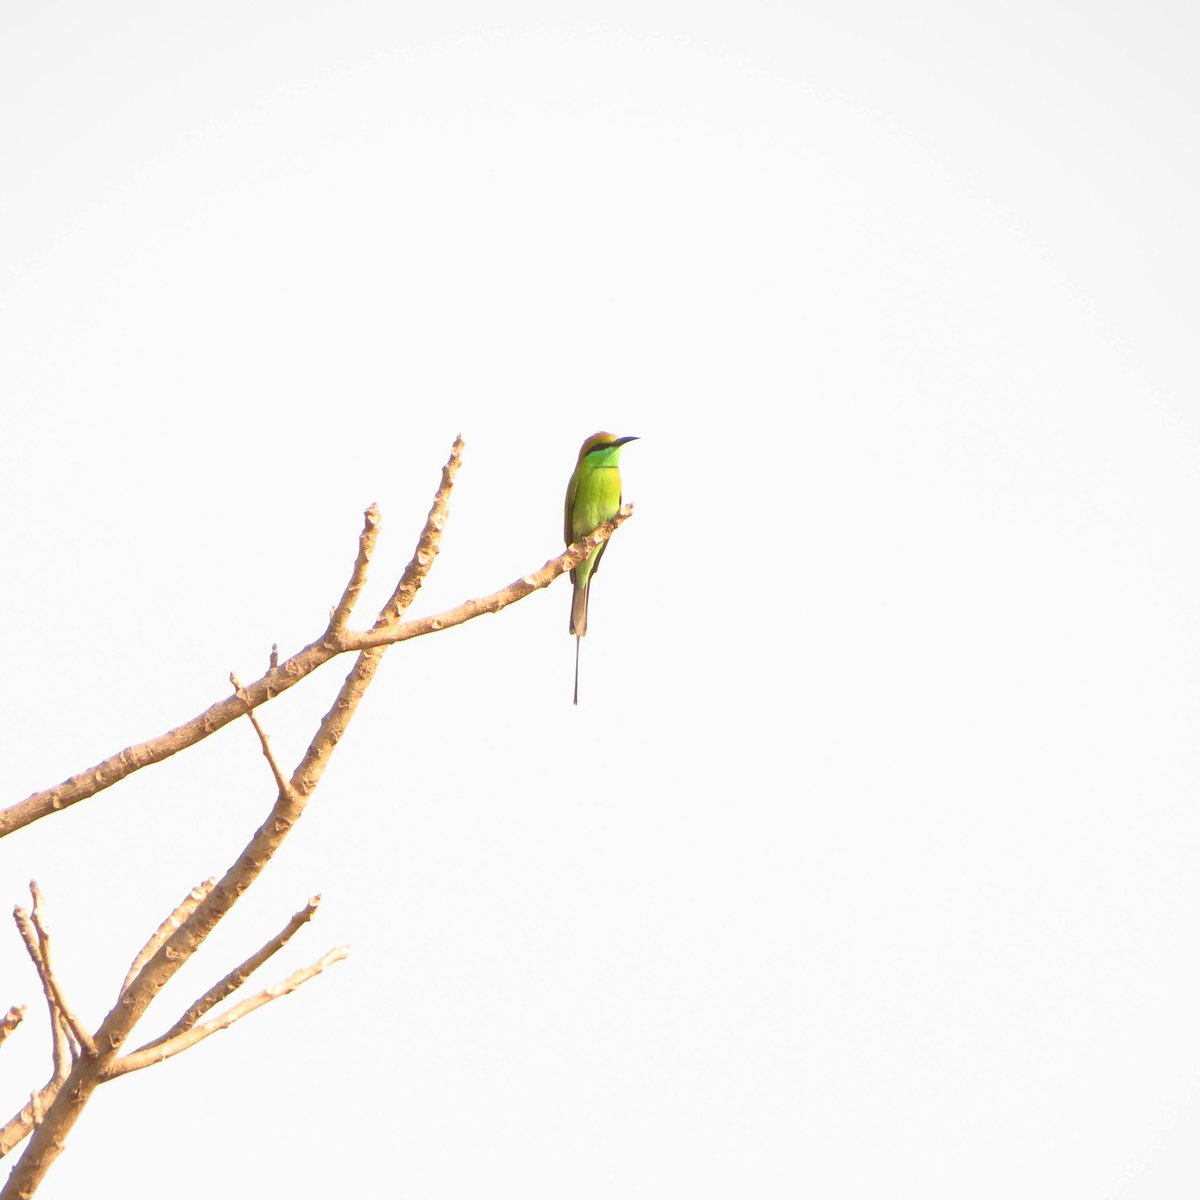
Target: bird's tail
579 611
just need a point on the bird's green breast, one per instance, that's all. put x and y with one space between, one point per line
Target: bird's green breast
597 497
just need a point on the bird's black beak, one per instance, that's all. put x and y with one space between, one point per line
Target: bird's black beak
622 441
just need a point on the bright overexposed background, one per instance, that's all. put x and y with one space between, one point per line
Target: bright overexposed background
869 864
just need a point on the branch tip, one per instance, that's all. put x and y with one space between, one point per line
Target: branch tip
428 544
358 574
36 937
175 1042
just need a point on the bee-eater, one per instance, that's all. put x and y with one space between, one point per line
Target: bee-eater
593 497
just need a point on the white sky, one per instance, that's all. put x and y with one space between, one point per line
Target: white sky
868 864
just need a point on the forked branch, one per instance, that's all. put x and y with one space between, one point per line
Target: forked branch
32 929
53 1110
192 921
238 976
158 1051
335 640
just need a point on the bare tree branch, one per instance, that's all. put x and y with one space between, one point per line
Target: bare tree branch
156 1052
281 780
329 733
237 976
134 758
29 937
287 674
389 635
18 1127
53 1110
428 544
358 576
11 1020
179 914
37 942
31 1115
278 678
74 1025
90 1070
16 1130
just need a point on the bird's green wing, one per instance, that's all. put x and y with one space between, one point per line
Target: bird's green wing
570 504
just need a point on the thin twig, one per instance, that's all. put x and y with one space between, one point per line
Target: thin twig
237 976
156 1052
281 780
37 942
179 914
74 1024
61 1050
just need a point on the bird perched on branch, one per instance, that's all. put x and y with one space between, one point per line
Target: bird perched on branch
593 497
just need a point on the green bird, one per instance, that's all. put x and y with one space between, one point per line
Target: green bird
593 497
